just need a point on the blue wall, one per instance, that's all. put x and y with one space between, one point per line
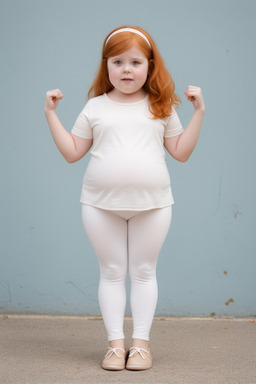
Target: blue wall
47 264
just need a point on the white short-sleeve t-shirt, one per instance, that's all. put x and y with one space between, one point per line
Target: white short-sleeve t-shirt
127 168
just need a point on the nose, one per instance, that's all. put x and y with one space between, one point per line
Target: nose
127 68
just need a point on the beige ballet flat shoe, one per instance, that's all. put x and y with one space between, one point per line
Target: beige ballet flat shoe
114 359
139 359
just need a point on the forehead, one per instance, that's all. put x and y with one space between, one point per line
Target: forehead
133 52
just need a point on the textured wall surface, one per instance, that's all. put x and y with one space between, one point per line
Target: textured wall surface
208 262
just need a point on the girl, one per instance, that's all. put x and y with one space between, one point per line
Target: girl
126 195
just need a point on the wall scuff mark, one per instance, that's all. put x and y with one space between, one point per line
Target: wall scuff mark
229 302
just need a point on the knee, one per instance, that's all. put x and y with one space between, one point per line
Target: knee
143 272
113 273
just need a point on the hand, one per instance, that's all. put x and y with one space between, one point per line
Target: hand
52 99
194 94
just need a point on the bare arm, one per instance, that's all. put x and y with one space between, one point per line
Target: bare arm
72 147
181 147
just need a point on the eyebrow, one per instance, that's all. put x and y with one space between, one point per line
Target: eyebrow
133 58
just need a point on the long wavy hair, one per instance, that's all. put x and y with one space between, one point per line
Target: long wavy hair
159 85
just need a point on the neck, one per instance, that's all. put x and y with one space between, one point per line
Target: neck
126 98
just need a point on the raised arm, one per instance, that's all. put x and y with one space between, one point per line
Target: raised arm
181 147
72 147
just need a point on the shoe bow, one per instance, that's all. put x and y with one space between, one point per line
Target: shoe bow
135 350
112 351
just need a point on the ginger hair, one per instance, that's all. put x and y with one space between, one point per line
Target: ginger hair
159 85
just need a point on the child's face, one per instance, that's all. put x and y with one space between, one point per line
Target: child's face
128 72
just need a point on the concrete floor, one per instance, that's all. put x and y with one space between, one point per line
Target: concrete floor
68 350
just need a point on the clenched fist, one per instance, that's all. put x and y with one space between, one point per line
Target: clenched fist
52 99
194 94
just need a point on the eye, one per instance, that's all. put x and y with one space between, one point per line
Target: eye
136 62
117 62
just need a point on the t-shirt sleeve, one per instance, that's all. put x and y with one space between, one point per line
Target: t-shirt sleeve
82 127
173 125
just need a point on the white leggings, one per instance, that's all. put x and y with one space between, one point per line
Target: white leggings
123 246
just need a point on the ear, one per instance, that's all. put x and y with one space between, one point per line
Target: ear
150 66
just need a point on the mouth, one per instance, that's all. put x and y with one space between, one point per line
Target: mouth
127 79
